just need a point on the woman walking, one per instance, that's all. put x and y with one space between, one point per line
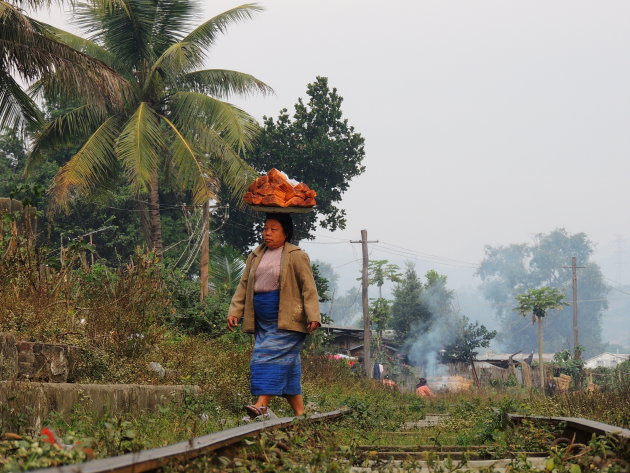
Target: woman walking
277 301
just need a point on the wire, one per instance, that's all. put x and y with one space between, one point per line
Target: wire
616 288
347 263
427 255
420 258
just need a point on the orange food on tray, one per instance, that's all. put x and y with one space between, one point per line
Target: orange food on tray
275 190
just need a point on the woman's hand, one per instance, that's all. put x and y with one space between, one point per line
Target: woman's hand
232 322
311 326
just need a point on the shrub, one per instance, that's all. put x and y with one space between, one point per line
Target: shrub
188 313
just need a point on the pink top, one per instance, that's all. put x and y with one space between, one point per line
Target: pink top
267 277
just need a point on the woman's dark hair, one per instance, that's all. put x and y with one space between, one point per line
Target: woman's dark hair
286 221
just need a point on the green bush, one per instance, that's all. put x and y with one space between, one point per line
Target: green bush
190 315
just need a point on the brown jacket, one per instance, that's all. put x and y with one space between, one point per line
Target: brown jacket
299 302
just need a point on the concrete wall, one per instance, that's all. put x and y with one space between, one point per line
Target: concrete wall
34 401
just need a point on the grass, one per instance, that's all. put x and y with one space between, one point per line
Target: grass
118 319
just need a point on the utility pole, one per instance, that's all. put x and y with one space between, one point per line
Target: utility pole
576 343
367 331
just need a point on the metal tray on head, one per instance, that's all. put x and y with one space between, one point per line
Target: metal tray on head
281 210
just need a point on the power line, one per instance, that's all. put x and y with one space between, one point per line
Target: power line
616 288
428 255
421 258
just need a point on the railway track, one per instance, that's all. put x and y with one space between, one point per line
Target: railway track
402 448
150 460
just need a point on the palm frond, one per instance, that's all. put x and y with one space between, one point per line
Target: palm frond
140 145
226 164
206 34
30 49
236 126
92 166
17 109
108 6
171 18
176 60
123 28
191 168
34 3
223 83
226 269
72 126
85 46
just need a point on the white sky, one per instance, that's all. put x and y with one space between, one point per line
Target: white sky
486 121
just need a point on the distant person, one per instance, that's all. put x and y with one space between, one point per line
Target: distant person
279 319
422 389
390 383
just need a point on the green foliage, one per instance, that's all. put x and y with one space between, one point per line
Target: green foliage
28 453
507 271
538 301
564 362
113 217
316 146
31 51
468 337
207 317
380 271
380 313
175 126
600 454
188 313
409 312
323 290
437 297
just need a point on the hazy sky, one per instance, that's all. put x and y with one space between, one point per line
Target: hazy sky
486 122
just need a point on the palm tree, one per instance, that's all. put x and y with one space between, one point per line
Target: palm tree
30 51
537 302
175 120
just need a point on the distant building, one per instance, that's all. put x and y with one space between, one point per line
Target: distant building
606 360
343 339
502 360
349 340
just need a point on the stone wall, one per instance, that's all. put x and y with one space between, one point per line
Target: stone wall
37 361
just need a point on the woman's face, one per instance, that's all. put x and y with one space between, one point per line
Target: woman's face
273 234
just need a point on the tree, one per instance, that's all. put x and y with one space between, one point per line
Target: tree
381 270
537 302
174 126
436 296
316 146
510 270
30 50
468 337
409 312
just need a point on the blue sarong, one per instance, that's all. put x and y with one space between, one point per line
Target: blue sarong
276 368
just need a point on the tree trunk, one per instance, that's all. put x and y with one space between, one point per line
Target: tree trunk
475 375
205 252
154 215
541 368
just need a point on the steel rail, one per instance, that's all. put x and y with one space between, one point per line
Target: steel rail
582 428
147 460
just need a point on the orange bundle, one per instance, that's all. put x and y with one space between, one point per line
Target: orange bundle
275 190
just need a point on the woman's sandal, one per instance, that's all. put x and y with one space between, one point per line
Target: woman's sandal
255 411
